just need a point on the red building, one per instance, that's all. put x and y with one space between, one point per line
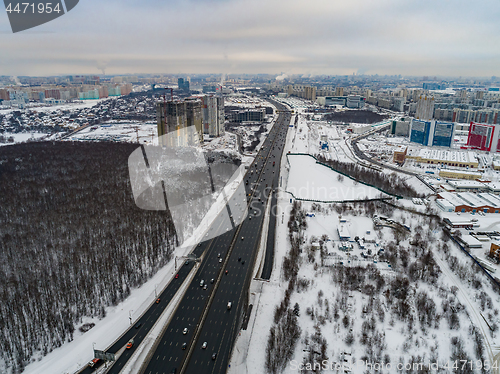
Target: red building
482 137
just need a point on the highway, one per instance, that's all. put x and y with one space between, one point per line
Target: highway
204 312
148 319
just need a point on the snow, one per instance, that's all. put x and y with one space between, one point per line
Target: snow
311 181
125 131
22 137
76 354
52 108
250 350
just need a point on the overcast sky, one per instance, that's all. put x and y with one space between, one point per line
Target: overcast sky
408 37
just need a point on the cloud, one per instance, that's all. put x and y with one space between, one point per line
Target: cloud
411 37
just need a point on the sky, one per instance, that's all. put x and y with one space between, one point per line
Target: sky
332 37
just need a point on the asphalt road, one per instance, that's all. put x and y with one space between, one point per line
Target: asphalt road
363 156
217 326
149 318
222 325
204 312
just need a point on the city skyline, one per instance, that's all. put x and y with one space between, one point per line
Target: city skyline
387 37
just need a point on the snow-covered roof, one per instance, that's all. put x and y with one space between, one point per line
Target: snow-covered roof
451 198
469 199
493 200
464 183
447 156
494 186
343 231
471 241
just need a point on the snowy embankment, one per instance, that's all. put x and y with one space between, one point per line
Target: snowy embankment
311 181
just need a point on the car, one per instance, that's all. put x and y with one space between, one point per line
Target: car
204 345
185 331
138 324
243 262
220 259
218 255
202 283
176 276
187 262
212 280
242 238
205 287
130 344
184 345
239 258
226 272
229 304
173 371
157 300
214 356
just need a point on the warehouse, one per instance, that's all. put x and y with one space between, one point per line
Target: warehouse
459 174
446 157
468 202
467 186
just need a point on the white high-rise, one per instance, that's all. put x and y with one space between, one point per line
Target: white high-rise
213 115
425 108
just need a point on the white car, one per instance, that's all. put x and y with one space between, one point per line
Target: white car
185 331
204 345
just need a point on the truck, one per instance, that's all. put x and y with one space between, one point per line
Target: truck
95 362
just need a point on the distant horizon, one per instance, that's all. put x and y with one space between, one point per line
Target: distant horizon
431 77
414 38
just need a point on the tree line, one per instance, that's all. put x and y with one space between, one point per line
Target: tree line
390 183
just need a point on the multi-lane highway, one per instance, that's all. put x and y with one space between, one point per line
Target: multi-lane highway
205 313
226 267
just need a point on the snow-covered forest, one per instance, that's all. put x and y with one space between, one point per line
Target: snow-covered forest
72 241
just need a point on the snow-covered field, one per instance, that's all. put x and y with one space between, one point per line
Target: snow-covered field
124 131
37 107
311 181
23 137
366 326
351 326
